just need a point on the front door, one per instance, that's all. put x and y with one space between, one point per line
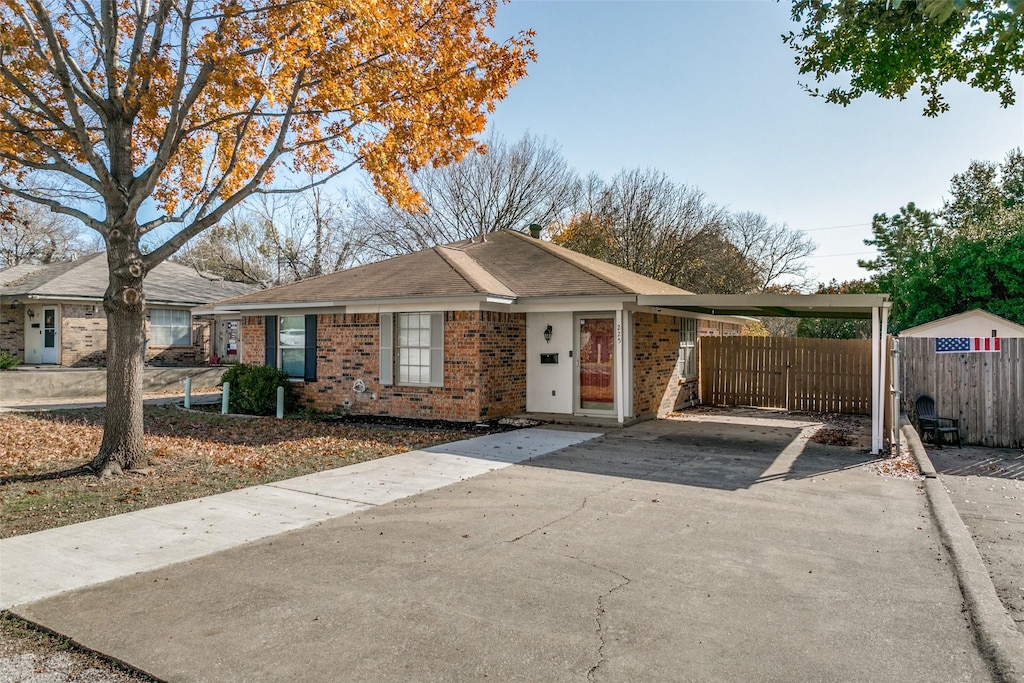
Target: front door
51 336
595 343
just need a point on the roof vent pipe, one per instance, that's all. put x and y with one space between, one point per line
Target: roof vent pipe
535 231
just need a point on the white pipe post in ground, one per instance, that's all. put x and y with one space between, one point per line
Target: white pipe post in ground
188 393
224 398
876 417
280 403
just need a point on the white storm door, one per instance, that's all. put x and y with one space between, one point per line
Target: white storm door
51 336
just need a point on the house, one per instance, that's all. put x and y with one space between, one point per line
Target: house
974 323
53 314
499 325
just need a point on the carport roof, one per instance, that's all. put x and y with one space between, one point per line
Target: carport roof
767 305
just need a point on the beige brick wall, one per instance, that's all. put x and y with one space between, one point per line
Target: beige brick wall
83 335
12 330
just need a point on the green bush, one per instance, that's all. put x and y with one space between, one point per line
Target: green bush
8 361
254 389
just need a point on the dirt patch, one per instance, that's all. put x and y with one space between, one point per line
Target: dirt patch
42 483
28 655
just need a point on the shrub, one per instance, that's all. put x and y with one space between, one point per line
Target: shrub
8 361
254 389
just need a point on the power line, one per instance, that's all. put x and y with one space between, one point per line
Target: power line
852 253
835 227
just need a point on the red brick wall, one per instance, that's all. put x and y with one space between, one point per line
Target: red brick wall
503 363
484 368
656 386
12 330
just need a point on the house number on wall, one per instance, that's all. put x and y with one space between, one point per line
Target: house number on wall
618 334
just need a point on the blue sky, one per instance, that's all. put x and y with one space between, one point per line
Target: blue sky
707 92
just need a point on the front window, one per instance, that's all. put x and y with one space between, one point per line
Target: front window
687 347
168 327
413 348
292 344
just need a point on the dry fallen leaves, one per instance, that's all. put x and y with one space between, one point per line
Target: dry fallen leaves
191 455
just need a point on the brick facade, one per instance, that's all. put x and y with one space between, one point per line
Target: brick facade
484 367
12 330
83 337
657 389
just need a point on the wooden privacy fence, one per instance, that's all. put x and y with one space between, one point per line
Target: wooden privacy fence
985 391
815 375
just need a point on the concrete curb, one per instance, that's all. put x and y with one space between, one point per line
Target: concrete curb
1002 645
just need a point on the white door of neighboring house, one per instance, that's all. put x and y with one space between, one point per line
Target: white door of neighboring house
51 335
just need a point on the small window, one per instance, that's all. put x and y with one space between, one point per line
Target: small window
169 327
292 344
687 347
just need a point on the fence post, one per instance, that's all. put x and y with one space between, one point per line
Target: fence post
188 392
280 403
224 398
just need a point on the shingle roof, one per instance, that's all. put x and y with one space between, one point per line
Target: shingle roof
168 283
505 264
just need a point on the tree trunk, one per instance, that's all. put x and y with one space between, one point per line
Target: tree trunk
122 447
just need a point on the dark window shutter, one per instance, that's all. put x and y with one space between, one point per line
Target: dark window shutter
270 327
310 370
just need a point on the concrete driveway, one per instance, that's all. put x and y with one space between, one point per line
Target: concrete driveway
723 547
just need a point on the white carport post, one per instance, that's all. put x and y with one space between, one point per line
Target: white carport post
879 325
876 429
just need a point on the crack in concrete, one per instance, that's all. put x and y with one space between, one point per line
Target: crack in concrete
567 515
599 617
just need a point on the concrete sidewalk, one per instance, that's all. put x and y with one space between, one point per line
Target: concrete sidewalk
43 564
708 550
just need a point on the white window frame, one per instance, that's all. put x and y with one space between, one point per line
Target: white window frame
158 325
290 346
425 351
687 347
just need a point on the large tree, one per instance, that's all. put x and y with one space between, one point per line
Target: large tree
969 254
504 186
888 47
151 119
644 221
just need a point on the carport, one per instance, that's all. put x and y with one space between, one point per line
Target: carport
873 307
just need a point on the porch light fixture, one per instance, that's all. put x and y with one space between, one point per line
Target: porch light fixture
547 334
31 313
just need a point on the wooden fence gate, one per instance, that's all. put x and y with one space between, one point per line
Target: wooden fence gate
985 391
814 375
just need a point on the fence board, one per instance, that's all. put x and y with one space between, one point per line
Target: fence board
816 375
985 391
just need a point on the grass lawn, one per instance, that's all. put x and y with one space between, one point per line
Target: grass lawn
191 455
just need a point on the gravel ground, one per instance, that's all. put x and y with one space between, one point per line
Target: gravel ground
986 486
28 656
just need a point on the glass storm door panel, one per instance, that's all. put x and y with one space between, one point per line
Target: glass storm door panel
49 335
597 364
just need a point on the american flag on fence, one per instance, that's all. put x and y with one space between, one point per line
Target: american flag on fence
966 344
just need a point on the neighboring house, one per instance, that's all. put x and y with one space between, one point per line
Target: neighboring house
490 327
975 323
53 314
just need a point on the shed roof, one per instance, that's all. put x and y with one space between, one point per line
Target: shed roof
951 321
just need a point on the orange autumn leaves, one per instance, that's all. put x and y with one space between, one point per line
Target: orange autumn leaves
209 99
